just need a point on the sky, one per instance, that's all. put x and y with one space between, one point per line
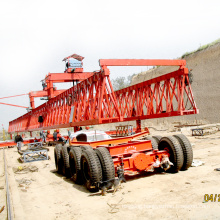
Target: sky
36 35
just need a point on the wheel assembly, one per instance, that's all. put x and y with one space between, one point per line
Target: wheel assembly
66 164
58 158
172 146
75 164
108 169
187 150
91 170
157 138
154 143
86 147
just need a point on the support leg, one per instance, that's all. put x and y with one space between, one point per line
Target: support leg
138 126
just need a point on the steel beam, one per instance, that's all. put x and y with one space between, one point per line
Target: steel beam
140 62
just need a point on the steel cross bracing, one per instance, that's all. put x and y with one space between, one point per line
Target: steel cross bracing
93 100
165 96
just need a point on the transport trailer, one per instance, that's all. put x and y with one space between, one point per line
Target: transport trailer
97 164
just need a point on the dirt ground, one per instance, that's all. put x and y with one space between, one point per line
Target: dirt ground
48 195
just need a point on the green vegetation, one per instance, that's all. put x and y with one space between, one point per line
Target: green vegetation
203 47
121 82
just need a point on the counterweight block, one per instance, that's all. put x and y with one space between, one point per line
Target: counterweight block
141 161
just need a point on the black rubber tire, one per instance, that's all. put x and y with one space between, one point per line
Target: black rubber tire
157 138
87 147
108 169
172 145
91 170
55 157
75 164
153 142
187 150
66 163
58 158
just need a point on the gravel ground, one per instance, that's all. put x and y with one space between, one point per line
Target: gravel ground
41 193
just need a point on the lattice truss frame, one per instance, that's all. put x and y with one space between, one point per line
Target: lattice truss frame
93 101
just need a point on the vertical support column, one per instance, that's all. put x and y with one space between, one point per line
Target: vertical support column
50 90
138 126
31 134
31 101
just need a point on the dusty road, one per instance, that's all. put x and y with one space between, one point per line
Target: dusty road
48 195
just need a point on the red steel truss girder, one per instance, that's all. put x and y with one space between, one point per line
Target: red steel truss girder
93 101
164 96
86 99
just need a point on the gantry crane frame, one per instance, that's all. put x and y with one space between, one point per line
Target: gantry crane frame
93 100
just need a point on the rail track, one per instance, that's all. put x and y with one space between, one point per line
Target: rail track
8 196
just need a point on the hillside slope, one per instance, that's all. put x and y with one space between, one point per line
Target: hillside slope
205 65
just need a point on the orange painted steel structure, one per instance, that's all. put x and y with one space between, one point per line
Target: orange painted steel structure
51 92
113 141
93 101
12 143
71 74
136 156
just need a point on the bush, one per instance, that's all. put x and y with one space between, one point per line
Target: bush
121 82
203 47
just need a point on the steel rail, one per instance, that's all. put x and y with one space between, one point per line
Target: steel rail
9 209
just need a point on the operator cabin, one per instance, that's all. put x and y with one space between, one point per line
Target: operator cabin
72 63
